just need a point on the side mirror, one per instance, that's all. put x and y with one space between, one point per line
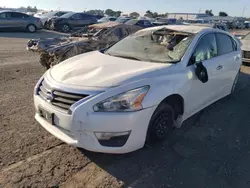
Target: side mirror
201 72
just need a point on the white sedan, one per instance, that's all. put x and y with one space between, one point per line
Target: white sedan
117 99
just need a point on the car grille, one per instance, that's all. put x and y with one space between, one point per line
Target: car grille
61 99
246 54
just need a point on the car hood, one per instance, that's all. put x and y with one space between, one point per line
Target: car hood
245 45
95 69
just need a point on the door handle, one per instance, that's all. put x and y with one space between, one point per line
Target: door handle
219 67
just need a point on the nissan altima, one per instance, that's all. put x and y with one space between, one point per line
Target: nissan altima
117 99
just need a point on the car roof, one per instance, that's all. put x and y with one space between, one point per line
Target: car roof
193 29
2 11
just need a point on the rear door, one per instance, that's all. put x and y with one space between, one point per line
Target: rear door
229 61
87 20
5 21
75 21
19 20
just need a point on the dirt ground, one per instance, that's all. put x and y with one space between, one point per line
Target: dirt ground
211 150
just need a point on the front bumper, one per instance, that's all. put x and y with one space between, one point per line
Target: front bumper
245 60
79 129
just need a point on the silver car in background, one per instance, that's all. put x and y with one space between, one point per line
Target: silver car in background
11 20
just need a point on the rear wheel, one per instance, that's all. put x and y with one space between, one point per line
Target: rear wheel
161 123
31 28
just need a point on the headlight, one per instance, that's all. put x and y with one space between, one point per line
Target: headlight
127 101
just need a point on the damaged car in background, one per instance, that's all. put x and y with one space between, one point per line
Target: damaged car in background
245 40
94 37
135 91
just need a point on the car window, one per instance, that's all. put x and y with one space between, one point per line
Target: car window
112 19
5 15
76 17
140 22
87 17
206 48
131 22
146 23
18 15
225 44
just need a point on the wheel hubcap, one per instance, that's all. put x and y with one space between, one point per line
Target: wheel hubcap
32 28
65 28
162 126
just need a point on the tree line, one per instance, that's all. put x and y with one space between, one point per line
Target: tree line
149 13
116 13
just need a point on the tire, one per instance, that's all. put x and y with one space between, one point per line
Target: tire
46 25
161 124
235 82
31 28
65 28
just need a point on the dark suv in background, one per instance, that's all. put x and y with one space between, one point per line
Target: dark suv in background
73 21
11 20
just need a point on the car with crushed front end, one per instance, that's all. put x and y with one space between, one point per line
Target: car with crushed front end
117 99
46 18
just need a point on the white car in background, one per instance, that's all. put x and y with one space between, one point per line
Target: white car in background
246 48
115 100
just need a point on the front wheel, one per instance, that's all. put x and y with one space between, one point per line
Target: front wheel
65 28
46 25
31 28
161 123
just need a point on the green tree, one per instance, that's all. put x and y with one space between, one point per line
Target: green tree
95 12
224 14
209 12
29 9
34 9
111 12
134 14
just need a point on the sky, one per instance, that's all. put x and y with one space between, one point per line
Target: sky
232 7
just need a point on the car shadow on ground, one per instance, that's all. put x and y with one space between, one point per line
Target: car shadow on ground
210 150
38 34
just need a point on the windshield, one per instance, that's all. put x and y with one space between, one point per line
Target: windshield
131 22
67 15
122 20
163 46
247 37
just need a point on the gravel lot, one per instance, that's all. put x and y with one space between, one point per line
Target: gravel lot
211 149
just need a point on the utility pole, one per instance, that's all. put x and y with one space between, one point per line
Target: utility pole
244 9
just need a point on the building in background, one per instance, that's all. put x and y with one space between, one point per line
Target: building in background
187 16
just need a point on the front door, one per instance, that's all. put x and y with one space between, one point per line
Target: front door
18 20
199 94
75 21
5 21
